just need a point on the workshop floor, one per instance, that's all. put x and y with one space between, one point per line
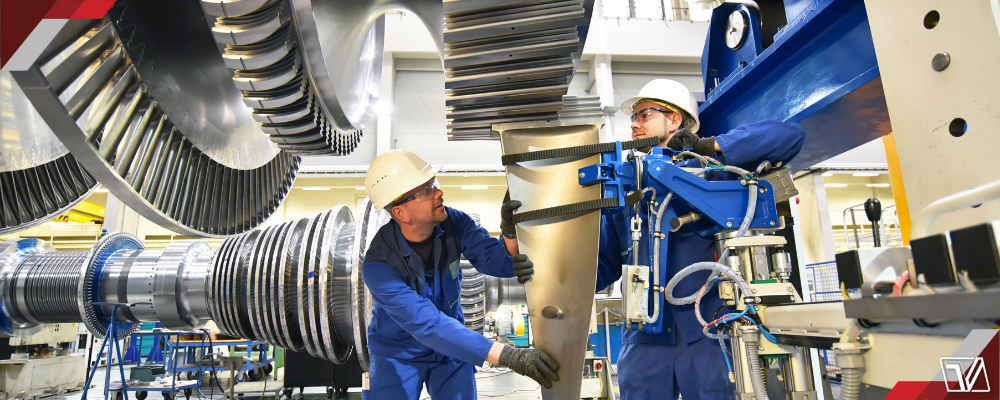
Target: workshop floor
491 385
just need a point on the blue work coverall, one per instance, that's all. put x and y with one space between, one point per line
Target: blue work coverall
417 333
680 359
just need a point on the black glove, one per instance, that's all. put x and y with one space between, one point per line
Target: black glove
507 216
685 139
532 363
523 268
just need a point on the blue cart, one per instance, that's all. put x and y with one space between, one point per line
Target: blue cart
170 366
191 347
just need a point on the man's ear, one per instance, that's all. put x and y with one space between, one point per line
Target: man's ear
674 121
400 214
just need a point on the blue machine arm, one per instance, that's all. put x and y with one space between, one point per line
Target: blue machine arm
720 206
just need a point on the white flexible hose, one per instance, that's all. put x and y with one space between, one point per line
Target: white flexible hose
850 385
703 266
756 375
744 226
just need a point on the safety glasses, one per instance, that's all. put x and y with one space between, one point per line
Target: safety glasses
426 191
646 114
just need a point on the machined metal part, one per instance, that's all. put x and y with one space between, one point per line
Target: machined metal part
97 318
361 298
935 307
39 179
508 61
560 296
98 104
310 70
296 284
12 253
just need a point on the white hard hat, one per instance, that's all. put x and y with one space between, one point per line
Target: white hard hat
673 93
394 173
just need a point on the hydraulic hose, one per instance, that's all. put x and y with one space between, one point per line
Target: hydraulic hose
744 226
705 266
850 361
750 337
756 378
850 387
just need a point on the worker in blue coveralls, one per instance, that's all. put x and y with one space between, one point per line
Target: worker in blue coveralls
417 334
681 360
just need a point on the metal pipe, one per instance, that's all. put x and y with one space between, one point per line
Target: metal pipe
977 195
801 371
607 335
854 223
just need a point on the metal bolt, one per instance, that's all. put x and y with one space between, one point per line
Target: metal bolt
729 224
582 174
760 348
791 298
763 189
757 300
753 290
941 61
789 289
772 223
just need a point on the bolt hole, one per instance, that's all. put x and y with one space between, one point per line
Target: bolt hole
957 127
931 19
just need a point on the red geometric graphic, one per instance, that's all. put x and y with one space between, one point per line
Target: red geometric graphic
979 387
19 17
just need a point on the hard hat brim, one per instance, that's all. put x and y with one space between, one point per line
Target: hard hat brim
628 105
428 172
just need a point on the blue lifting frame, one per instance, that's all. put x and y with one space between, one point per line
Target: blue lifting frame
722 205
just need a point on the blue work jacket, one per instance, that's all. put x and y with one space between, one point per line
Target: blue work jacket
744 147
416 315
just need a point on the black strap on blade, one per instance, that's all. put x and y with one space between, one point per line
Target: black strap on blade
584 150
583 206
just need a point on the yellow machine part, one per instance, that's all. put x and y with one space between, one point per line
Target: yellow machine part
518 320
83 212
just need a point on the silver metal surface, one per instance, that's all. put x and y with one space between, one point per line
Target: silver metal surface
12 253
936 307
129 279
39 180
566 272
27 141
91 271
310 70
181 68
123 139
175 288
508 61
296 284
338 284
737 28
361 298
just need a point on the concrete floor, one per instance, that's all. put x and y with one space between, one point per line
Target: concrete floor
490 385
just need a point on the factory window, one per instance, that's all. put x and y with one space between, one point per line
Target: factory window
653 9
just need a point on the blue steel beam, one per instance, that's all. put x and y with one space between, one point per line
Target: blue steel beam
821 72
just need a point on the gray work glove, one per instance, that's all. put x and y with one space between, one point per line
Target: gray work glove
532 363
685 139
523 268
507 216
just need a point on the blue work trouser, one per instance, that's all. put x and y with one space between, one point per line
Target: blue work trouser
392 379
695 371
